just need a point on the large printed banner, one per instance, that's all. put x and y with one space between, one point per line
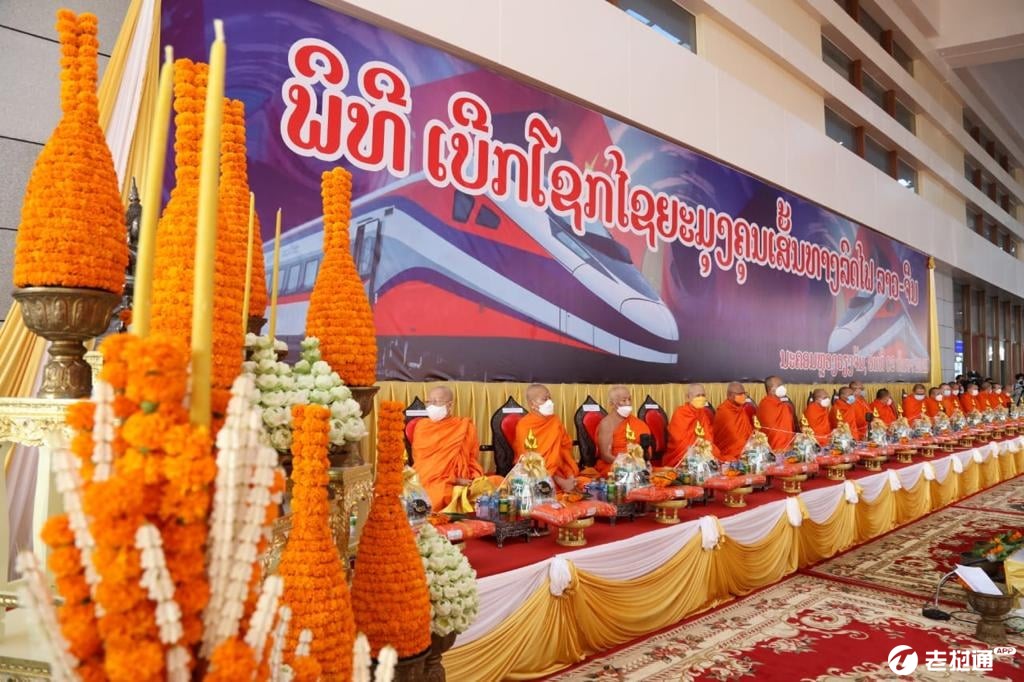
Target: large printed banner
505 233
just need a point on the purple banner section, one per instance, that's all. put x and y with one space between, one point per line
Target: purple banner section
505 233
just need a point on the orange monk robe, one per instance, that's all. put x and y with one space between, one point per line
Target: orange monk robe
619 443
552 442
1004 399
950 405
885 412
733 426
777 420
932 406
860 412
848 416
989 400
969 403
912 408
682 433
443 451
819 419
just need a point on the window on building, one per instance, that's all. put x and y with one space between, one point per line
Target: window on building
973 218
907 175
835 58
665 17
874 90
905 116
839 129
878 33
902 58
867 22
876 154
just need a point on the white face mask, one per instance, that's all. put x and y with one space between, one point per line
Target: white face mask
918 396
850 399
437 412
780 391
998 391
624 410
859 392
946 391
825 402
547 408
956 391
888 401
974 391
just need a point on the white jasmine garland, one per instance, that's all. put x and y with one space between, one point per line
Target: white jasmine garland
454 601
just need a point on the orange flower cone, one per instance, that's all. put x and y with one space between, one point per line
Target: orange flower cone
339 311
390 598
72 231
314 579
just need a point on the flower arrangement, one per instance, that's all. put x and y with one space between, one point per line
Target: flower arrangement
325 387
72 232
315 587
339 311
454 601
1000 546
390 598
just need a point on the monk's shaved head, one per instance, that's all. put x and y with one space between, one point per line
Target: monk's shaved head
771 382
918 386
440 395
819 394
882 393
735 388
537 393
845 391
857 385
933 392
694 390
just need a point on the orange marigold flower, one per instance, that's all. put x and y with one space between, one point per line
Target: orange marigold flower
232 660
57 531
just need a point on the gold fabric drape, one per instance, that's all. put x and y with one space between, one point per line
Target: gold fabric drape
548 633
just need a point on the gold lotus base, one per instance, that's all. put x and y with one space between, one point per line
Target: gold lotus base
966 441
793 485
873 463
905 455
999 434
948 447
737 497
667 512
838 471
928 451
572 534
66 317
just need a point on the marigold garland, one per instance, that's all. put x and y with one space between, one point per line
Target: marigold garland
315 587
390 598
339 311
72 233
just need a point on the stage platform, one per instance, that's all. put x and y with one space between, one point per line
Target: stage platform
543 608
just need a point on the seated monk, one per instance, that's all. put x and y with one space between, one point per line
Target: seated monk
549 437
733 424
843 410
617 429
860 410
933 403
817 416
913 404
987 399
950 401
444 449
969 400
882 407
776 414
682 427
1002 399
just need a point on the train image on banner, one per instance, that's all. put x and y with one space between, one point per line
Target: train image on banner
442 263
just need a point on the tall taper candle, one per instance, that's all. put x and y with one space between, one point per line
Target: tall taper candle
273 278
152 189
206 234
248 264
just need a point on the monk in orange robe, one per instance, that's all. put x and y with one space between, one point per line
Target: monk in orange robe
969 401
843 410
444 449
817 415
913 404
733 424
682 429
549 437
616 429
882 406
860 410
933 403
986 399
950 403
777 416
1002 397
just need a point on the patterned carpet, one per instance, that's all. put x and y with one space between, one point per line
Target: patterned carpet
838 620
803 628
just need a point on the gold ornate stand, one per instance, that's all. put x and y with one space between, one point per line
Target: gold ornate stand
905 455
793 485
667 512
837 472
873 462
928 451
572 534
737 497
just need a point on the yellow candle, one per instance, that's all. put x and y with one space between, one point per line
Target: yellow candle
206 234
273 278
152 188
248 264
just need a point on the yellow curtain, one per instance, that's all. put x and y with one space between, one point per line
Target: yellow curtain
934 350
548 633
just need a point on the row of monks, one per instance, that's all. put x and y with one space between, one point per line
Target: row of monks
445 446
